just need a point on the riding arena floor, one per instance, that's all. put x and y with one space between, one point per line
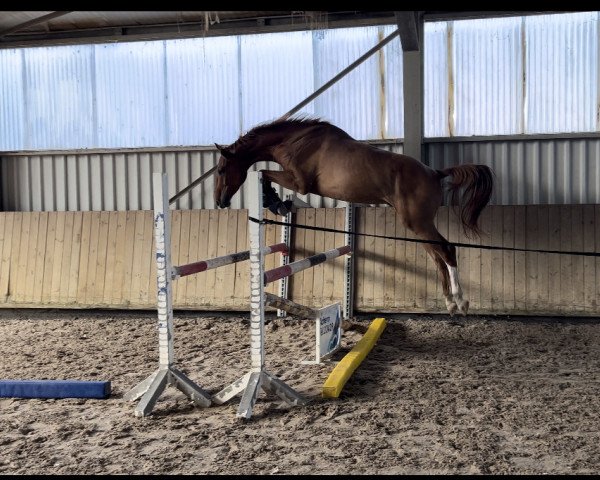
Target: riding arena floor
436 395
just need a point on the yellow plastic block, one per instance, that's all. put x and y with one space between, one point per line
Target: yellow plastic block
342 371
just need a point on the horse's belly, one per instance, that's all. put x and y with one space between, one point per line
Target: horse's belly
348 188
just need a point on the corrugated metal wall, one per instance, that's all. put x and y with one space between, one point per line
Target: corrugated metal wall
528 172
12 113
272 83
203 93
117 181
487 99
517 75
562 79
436 82
194 92
531 172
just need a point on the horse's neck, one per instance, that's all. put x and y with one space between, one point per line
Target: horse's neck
261 150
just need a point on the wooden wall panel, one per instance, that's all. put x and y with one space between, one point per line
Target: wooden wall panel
107 260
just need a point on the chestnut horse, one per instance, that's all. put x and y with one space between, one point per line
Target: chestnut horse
318 157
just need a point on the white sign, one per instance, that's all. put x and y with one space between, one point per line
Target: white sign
329 331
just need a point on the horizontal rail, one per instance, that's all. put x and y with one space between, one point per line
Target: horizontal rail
295 267
201 266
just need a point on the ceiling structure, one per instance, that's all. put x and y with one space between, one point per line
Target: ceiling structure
36 28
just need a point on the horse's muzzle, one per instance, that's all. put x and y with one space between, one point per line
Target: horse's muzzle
224 202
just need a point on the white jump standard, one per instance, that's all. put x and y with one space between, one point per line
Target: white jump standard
151 388
251 383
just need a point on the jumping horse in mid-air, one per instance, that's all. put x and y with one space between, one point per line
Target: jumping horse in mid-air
318 157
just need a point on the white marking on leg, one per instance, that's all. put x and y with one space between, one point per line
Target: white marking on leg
454 284
463 305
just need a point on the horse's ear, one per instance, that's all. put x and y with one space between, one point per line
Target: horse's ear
224 150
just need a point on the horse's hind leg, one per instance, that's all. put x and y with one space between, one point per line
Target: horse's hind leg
444 278
445 259
457 293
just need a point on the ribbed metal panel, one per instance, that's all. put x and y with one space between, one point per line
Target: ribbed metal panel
435 78
203 90
528 172
531 172
353 103
553 171
562 73
276 75
130 94
12 104
487 71
393 87
200 91
59 97
118 181
103 181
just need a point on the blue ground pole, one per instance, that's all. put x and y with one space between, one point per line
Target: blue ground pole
54 389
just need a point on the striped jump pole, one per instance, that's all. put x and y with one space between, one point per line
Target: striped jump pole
251 383
203 265
295 267
152 387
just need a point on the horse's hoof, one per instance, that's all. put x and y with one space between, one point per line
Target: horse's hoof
274 208
285 207
452 308
463 307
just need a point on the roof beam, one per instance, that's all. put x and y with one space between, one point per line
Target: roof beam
33 21
409 30
240 26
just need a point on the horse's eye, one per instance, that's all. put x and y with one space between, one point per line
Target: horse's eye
220 171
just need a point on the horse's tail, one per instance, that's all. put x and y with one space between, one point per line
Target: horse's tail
470 189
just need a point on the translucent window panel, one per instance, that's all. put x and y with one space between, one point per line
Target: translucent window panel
393 113
203 90
435 73
58 97
488 76
354 102
130 92
561 73
276 75
12 106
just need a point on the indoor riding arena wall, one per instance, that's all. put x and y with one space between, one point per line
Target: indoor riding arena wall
106 260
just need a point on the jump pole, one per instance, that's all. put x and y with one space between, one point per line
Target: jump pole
152 387
308 262
203 265
54 389
251 383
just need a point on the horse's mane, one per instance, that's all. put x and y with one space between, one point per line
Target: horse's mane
287 126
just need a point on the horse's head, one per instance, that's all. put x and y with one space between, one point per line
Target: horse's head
230 175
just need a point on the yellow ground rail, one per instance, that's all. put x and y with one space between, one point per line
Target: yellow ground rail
342 371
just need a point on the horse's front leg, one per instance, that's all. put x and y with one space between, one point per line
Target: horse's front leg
286 180
271 199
